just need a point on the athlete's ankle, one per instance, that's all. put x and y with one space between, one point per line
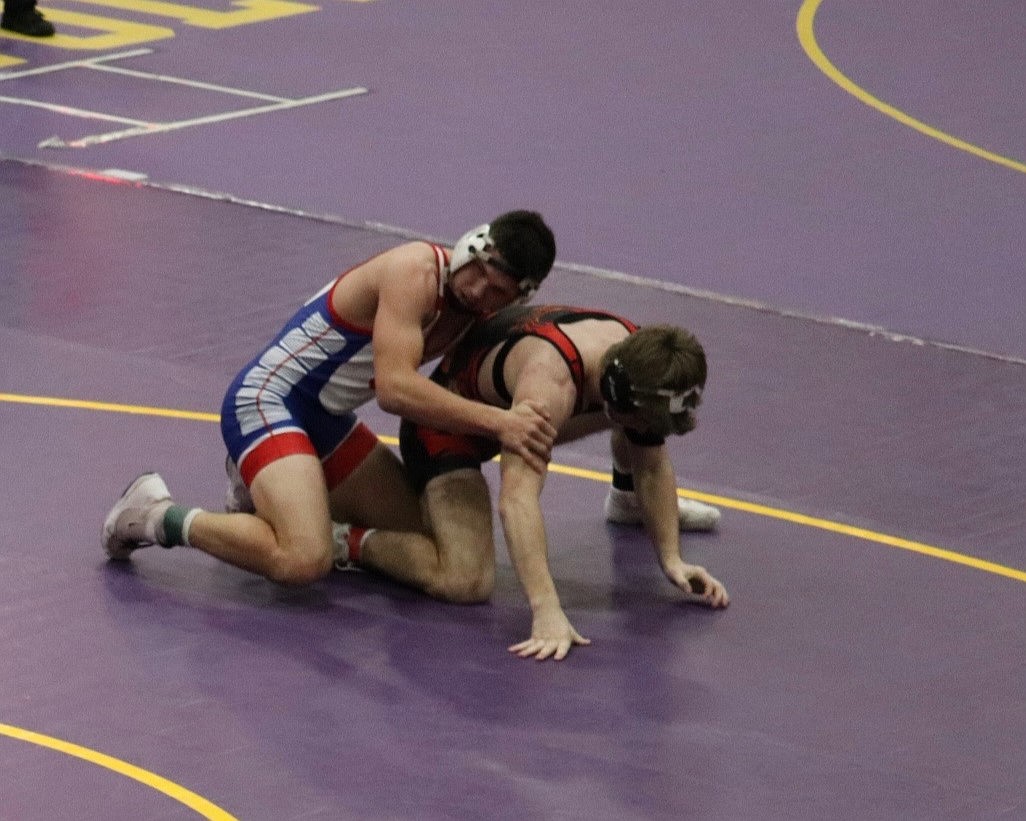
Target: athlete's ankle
173 525
623 480
349 542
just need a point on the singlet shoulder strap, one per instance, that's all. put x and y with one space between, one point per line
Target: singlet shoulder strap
441 264
554 335
543 322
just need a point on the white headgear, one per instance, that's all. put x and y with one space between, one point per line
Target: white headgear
471 246
476 244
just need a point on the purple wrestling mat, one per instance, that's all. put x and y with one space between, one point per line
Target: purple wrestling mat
872 489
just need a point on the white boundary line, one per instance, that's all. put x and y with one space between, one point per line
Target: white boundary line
584 270
166 78
569 267
141 128
86 63
144 129
72 112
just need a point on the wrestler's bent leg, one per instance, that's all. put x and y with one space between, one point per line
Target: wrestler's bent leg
288 540
457 563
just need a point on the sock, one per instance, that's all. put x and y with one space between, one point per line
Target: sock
623 480
349 542
357 539
174 526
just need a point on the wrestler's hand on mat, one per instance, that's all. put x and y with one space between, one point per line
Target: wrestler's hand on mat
528 433
698 584
552 636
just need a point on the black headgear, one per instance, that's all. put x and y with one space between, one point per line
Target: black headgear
623 396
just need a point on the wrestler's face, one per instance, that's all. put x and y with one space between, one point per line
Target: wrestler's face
636 420
481 288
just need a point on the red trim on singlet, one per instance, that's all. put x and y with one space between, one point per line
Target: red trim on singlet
441 262
273 448
439 443
338 465
349 455
465 382
337 318
544 322
567 349
312 342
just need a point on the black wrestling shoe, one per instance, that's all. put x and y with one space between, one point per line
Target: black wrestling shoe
28 22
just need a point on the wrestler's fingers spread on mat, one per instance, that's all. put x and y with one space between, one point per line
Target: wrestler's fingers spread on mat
527 647
562 650
548 650
539 649
566 644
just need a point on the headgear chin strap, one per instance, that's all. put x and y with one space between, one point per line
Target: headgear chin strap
476 245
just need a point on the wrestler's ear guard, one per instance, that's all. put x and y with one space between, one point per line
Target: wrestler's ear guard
616 389
468 247
476 244
622 396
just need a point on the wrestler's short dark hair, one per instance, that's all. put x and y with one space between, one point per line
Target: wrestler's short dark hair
525 242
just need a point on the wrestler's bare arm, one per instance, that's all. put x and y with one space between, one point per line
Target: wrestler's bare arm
406 298
535 371
656 486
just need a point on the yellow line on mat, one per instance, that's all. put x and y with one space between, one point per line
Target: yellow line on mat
109 407
807 37
598 476
821 524
183 796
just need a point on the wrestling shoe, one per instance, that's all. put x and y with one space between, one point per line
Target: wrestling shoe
237 498
28 22
621 507
133 521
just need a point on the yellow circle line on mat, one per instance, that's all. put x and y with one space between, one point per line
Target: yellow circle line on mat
156 782
807 37
598 476
823 524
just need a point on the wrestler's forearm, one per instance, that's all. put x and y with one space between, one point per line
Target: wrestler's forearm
524 528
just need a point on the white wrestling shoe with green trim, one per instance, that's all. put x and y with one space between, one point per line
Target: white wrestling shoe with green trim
621 507
133 520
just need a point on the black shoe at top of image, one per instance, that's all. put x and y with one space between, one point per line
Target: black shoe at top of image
28 22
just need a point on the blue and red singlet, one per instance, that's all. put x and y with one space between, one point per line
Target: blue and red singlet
298 395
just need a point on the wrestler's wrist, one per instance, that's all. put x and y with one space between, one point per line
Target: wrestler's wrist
498 422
